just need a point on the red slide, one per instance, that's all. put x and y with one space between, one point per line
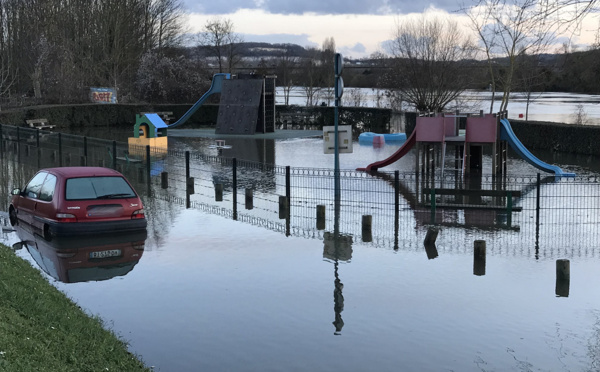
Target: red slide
403 150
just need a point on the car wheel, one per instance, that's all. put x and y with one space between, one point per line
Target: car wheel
12 216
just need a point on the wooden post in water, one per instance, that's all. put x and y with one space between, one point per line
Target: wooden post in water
249 193
283 207
189 185
563 277
164 180
218 192
479 256
367 228
320 217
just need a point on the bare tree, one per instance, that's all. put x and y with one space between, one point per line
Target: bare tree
311 76
286 64
69 45
531 79
431 60
223 43
508 29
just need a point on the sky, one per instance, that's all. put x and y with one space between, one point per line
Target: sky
359 27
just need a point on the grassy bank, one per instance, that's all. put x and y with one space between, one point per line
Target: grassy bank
42 330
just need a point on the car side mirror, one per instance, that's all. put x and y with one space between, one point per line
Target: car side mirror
18 246
16 191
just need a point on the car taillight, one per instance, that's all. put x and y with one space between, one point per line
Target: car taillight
138 214
66 217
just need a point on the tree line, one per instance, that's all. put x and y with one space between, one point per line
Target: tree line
53 51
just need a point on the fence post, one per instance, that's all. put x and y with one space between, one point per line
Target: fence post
509 207
537 200
187 165
234 181
60 150
148 168
85 149
114 150
1 141
433 205
18 145
287 183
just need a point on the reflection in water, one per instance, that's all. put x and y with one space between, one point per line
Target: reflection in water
337 248
84 259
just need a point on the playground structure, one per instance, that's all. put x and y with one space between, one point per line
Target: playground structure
443 140
247 106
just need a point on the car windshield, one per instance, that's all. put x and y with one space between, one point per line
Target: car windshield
86 188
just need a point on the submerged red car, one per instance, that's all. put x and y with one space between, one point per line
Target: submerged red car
77 200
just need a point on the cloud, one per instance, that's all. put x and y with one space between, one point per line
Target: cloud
373 7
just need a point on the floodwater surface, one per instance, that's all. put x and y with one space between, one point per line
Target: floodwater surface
213 294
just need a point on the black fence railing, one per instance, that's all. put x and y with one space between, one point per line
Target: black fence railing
546 216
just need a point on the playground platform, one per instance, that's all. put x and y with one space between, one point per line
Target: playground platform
278 134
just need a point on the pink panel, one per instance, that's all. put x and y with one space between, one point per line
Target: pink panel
449 127
482 129
430 129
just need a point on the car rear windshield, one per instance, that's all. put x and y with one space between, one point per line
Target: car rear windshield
86 188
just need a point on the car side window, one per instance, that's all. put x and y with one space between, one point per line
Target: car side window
47 191
32 190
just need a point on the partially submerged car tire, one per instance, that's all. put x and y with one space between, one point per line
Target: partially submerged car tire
12 216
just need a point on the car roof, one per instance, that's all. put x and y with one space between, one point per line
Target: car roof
68 172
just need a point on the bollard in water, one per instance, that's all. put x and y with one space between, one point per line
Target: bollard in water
218 192
320 217
563 277
479 256
283 207
431 236
249 198
164 180
367 231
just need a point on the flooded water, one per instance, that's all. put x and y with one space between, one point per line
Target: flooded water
208 293
566 108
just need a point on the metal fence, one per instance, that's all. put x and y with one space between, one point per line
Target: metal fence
541 217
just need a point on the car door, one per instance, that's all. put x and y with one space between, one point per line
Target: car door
44 209
29 198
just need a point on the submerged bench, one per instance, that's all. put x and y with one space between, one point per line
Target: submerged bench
39 124
508 194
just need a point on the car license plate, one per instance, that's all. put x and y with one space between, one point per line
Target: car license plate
105 254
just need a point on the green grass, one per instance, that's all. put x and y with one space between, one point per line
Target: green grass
41 329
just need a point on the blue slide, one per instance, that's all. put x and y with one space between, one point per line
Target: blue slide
215 87
507 134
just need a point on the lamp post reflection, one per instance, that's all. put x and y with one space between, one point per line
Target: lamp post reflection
337 248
